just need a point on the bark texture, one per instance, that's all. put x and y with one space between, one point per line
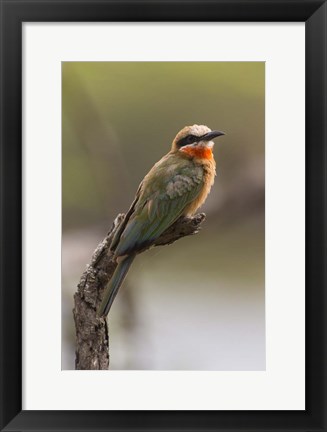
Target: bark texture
92 335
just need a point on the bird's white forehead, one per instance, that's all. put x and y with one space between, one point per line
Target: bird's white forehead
199 130
196 130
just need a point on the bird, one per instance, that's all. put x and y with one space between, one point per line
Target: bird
177 185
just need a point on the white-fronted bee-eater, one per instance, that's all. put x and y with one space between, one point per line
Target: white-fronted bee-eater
177 185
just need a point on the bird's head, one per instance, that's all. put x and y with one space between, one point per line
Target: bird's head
194 139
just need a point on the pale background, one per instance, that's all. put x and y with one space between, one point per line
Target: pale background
198 304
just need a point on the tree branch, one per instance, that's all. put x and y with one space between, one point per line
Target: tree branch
92 336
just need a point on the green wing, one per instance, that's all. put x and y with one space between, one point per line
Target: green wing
163 196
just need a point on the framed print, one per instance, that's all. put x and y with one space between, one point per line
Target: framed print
116 118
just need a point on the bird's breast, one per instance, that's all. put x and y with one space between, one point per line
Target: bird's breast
209 172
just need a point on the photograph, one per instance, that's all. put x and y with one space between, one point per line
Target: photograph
163 216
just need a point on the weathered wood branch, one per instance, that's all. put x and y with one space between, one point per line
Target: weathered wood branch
92 335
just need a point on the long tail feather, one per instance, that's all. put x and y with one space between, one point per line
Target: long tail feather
114 284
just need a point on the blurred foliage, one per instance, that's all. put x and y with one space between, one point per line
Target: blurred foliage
119 118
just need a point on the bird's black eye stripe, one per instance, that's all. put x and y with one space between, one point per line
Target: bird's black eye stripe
189 139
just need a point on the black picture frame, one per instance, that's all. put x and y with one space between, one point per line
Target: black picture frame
13 14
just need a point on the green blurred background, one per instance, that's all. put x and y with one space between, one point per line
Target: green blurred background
198 304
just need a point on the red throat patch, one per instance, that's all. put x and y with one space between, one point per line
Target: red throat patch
198 152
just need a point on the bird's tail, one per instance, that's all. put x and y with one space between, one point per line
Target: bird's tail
114 284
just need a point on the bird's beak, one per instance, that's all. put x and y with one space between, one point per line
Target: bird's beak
211 135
